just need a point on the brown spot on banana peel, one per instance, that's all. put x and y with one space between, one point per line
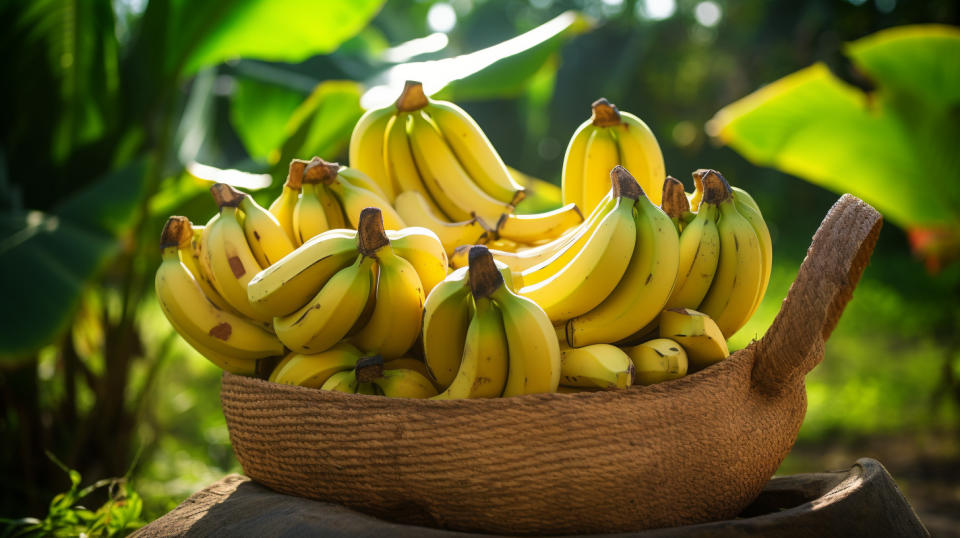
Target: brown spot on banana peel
412 97
221 331
604 113
236 266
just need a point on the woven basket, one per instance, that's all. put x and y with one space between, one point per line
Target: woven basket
696 449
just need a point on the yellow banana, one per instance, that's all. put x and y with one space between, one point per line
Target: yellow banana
396 319
746 207
330 315
409 363
204 324
366 149
697 333
644 288
267 239
592 275
314 370
640 154
422 248
483 367
561 249
601 156
735 286
354 199
541 262
660 359
699 255
331 208
229 256
742 197
475 152
398 158
359 179
446 317
416 211
227 363
345 381
190 255
449 184
289 284
309 217
282 208
547 225
697 193
598 365
534 353
571 180
403 383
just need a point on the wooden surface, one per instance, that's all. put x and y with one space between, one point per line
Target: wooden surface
860 501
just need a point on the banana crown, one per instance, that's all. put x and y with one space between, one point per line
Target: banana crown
371 236
485 277
675 203
177 232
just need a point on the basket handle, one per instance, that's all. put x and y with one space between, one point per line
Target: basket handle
837 256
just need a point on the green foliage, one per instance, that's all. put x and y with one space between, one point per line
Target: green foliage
276 30
118 516
50 257
894 147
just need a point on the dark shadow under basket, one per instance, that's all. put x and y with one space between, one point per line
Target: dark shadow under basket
696 449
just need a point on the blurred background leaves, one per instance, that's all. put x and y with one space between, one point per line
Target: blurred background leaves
120 113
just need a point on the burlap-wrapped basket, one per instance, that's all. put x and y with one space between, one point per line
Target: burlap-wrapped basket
691 450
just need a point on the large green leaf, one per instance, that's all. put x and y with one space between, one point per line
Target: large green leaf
895 147
49 259
322 124
260 112
277 30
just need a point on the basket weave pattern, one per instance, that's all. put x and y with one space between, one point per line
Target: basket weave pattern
696 449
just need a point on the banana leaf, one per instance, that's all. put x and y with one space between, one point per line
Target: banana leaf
49 258
894 146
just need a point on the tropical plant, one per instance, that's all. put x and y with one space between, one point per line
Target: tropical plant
891 141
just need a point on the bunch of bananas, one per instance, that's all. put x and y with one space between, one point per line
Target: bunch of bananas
347 277
480 339
725 250
344 368
227 338
320 196
610 138
366 285
608 277
437 167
